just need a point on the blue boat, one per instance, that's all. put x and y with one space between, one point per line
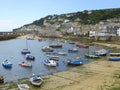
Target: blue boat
114 59
30 57
25 51
7 64
51 53
74 62
73 50
48 62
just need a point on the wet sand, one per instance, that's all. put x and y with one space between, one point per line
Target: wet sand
96 75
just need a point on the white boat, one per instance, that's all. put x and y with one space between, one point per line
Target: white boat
25 50
53 57
25 64
36 80
57 45
101 52
48 62
23 87
114 54
30 57
47 49
73 50
7 64
62 53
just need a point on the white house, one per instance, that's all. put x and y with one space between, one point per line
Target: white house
118 32
91 33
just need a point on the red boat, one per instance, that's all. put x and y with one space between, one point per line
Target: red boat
82 45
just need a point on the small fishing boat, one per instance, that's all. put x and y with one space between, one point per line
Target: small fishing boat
114 54
92 56
48 62
114 58
7 64
23 87
73 50
25 64
62 53
74 62
47 49
1 79
57 45
25 51
71 42
30 57
53 57
51 53
39 39
30 38
101 52
36 80
82 45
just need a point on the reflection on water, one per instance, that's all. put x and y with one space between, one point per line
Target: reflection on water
11 50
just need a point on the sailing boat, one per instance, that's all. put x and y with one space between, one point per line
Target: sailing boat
47 48
26 50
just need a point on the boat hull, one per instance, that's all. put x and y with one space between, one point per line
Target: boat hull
50 63
36 80
74 62
114 59
91 56
7 64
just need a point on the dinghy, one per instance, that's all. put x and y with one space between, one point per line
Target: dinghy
36 80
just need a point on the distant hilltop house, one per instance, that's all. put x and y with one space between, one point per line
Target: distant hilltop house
84 23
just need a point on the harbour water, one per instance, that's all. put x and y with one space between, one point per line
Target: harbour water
11 50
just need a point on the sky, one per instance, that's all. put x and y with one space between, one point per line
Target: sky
16 13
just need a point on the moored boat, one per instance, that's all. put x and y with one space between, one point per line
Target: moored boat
114 58
71 42
53 57
7 64
92 56
36 80
51 53
47 49
74 62
25 64
39 39
23 87
62 53
57 45
114 54
25 51
30 57
30 38
1 79
82 45
48 62
73 50
101 52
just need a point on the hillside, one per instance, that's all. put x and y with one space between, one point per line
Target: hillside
77 22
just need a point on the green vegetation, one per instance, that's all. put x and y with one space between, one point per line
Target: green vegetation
84 17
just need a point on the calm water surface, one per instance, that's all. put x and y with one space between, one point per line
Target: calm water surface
11 50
